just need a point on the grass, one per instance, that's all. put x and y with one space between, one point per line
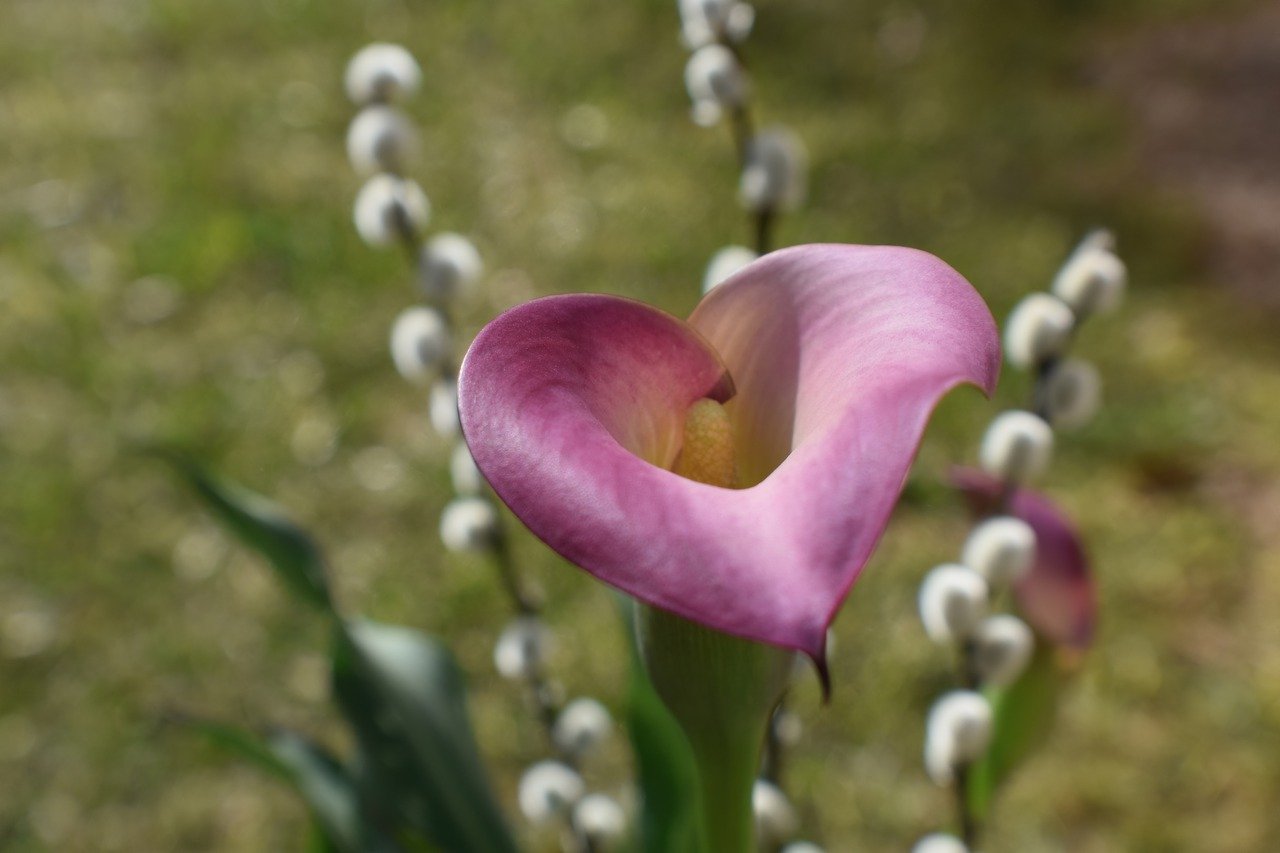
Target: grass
176 262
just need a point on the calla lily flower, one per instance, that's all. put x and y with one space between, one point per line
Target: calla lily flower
1057 596
828 361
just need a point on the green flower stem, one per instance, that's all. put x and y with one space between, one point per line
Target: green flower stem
722 691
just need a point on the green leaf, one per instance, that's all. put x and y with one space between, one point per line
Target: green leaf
262 526
1023 715
237 741
404 696
665 769
318 840
331 794
326 786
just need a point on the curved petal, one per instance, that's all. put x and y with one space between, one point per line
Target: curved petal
614 367
853 346
573 407
839 354
1057 597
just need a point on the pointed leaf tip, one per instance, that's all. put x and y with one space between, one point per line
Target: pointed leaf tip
261 525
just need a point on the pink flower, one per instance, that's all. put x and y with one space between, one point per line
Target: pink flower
1057 596
829 360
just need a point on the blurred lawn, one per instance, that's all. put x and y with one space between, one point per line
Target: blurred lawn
176 261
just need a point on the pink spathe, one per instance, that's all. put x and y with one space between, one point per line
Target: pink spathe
829 359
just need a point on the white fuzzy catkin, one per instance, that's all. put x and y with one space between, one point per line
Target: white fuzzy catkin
776 819
700 20
739 21
522 648
581 726
802 847
381 139
939 842
705 21
1017 447
1001 549
1073 393
548 790
442 407
466 477
420 343
958 733
776 173
468 524
385 205
953 602
1097 240
600 820
713 76
1091 281
724 263
381 72
1002 649
1038 328
705 113
450 264
938 761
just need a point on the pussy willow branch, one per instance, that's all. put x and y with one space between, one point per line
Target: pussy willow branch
743 128
522 600
742 125
1039 403
970 828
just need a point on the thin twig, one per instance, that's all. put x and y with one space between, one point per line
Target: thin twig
764 220
969 828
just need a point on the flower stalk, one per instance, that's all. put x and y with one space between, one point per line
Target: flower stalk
722 690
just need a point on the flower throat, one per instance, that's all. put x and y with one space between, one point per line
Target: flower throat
706 454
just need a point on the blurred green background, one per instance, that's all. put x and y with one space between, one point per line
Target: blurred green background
177 262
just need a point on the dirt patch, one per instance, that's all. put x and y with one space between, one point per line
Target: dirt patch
1206 94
